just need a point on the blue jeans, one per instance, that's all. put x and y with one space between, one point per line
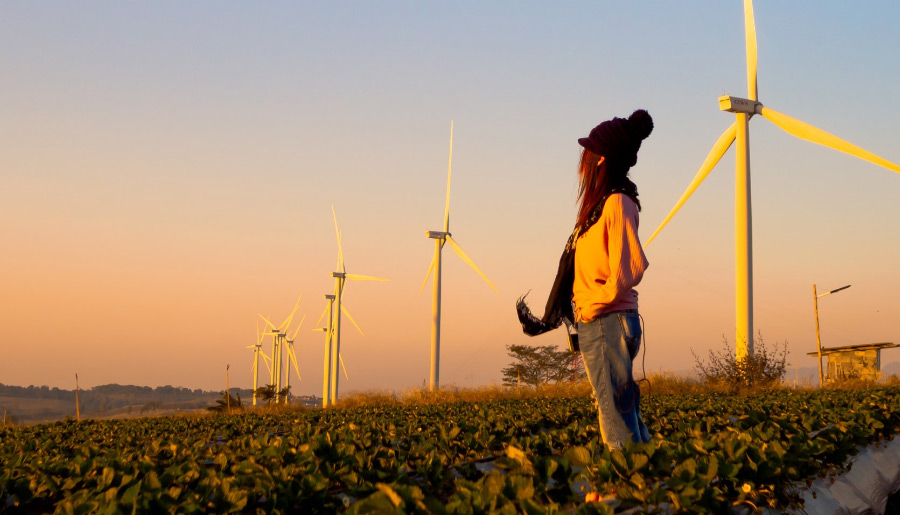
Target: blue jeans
608 346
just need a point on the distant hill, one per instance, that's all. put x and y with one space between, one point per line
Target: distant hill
35 404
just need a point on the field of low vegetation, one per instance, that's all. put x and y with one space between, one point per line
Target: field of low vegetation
531 451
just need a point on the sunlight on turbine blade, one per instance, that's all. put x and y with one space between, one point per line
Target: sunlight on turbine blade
269 323
337 234
430 269
806 131
266 360
298 327
344 311
322 315
750 34
462 254
344 368
718 150
287 323
357 277
293 355
449 168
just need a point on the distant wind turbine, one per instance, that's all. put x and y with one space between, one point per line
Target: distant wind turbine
278 336
292 356
340 278
326 372
257 352
329 338
744 109
440 237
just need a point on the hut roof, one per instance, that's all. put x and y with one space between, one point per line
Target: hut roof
851 348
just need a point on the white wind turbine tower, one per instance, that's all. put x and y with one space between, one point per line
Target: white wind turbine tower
329 338
440 237
326 372
744 109
257 352
340 278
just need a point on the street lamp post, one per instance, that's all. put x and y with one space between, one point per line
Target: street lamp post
818 340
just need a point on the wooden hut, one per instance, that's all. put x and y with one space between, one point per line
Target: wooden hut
854 361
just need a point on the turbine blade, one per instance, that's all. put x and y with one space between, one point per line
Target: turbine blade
344 368
461 254
718 150
750 34
430 269
266 360
806 131
337 233
449 168
357 277
293 356
287 322
322 315
298 327
344 311
270 324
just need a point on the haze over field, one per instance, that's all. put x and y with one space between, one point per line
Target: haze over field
167 172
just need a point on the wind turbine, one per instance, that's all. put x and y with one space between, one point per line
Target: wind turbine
292 355
340 278
326 372
329 334
257 352
441 237
744 109
278 335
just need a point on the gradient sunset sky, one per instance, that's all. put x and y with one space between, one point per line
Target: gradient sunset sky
167 171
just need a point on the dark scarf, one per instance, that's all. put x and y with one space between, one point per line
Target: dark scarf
559 303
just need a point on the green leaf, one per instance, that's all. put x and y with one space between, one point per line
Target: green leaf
578 456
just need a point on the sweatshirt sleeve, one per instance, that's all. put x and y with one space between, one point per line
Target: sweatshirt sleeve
627 262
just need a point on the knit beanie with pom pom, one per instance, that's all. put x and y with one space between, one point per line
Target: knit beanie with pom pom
620 139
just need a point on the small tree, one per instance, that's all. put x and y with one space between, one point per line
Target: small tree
222 405
537 365
266 394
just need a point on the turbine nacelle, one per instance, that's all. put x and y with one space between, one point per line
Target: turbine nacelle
437 235
337 275
739 105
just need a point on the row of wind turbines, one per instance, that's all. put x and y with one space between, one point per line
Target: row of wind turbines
283 352
743 108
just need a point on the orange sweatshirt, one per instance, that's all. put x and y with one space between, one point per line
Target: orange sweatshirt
609 261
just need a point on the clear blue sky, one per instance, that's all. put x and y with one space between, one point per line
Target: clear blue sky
167 171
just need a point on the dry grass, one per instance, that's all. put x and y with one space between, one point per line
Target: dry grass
452 394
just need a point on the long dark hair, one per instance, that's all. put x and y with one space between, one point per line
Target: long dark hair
597 181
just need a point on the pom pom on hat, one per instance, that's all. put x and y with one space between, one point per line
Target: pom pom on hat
620 139
640 124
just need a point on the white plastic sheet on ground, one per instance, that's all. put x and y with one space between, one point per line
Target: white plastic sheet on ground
873 476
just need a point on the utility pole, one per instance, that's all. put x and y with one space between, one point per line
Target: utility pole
818 340
77 406
227 392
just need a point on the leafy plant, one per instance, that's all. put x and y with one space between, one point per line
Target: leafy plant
764 369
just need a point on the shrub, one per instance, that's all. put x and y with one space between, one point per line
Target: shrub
764 369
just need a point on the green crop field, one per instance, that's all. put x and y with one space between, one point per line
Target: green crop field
709 453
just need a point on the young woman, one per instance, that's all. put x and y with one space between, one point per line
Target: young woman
609 263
